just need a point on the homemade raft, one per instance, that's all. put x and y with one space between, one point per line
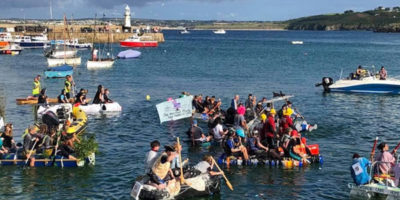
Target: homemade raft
41 161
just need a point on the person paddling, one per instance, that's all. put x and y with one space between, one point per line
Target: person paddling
30 141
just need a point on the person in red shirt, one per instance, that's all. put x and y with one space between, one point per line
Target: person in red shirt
269 131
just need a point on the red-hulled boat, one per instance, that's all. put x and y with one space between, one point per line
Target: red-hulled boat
136 41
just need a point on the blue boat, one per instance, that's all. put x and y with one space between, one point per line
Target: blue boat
59 72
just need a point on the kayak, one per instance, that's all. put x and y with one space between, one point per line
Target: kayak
34 100
41 161
101 108
200 185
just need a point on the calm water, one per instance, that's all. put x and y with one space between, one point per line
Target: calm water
221 65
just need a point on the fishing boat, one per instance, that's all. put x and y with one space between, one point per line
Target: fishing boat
59 72
101 108
74 43
101 59
297 42
384 188
139 41
219 31
129 54
368 83
12 49
200 185
32 41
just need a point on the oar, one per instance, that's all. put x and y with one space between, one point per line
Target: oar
395 149
180 160
226 179
30 152
55 150
373 150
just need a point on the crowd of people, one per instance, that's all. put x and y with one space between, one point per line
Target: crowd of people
274 136
67 93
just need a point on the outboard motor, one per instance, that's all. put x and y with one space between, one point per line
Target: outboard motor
50 119
62 115
326 82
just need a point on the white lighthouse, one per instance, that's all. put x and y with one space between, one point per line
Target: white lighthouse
127 17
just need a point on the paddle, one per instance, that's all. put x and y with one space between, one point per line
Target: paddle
55 150
373 150
30 152
395 149
226 179
180 161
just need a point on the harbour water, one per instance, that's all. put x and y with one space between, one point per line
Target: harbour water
240 62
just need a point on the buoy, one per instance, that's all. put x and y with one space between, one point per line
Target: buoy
148 97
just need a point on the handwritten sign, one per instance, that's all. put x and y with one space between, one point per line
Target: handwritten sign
175 109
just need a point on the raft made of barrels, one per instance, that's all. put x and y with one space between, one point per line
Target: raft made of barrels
40 161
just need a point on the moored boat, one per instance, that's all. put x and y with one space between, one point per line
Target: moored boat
99 64
74 43
129 54
52 62
219 31
139 41
297 42
59 72
12 49
32 41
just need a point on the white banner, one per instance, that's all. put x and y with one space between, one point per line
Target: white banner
175 109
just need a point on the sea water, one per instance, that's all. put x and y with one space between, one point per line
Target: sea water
239 62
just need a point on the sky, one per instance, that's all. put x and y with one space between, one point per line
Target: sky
231 10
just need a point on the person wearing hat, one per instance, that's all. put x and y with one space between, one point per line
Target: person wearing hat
358 170
29 141
387 159
162 168
269 130
197 135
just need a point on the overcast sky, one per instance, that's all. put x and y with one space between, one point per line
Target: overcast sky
263 10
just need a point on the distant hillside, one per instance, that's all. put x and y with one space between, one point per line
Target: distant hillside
380 19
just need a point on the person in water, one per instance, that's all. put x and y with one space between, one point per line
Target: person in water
62 98
206 166
99 97
382 73
106 94
68 86
359 171
43 99
387 159
152 155
36 86
197 135
161 171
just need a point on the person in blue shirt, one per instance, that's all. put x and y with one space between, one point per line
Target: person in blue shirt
359 171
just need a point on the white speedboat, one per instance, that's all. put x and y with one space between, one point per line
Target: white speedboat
365 84
219 31
185 31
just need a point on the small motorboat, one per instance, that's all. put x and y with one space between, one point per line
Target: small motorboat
184 31
101 108
139 41
200 185
129 54
219 31
367 83
59 72
297 42
40 41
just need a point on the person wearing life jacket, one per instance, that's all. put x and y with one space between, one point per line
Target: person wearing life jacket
386 158
68 84
269 130
36 86
161 171
297 149
358 170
